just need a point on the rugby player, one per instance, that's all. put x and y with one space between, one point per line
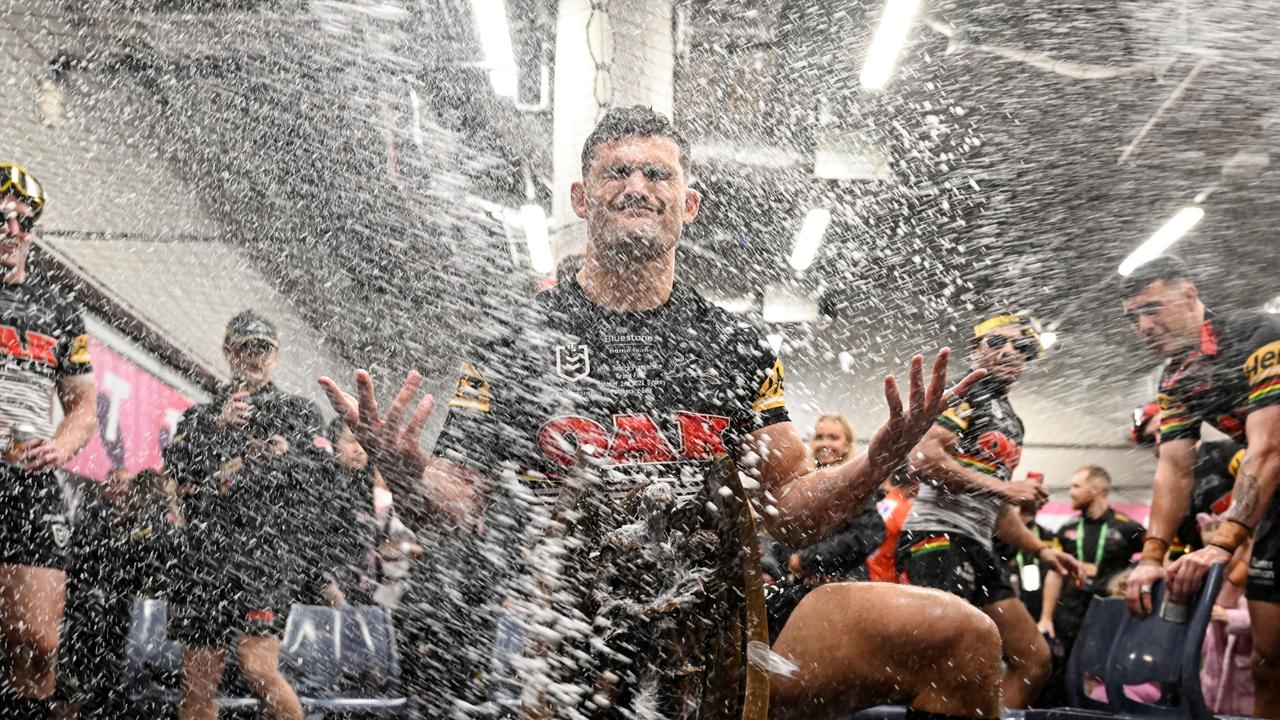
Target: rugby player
965 463
1223 370
255 472
44 354
625 364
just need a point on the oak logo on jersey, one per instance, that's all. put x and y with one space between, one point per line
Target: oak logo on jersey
771 390
573 362
634 438
38 347
472 392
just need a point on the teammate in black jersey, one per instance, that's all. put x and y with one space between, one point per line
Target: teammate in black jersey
1217 464
967 494
625 365
44 354
255 469
1223 370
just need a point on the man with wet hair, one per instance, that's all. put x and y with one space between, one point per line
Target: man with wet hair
44 358
967 494
1223 369
250 463
632 372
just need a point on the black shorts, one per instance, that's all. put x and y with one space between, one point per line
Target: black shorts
1262 586
206 622
33 519
955 563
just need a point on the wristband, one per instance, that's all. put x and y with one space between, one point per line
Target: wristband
1230 535
1154 549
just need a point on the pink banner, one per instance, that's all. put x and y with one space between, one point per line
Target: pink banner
137 413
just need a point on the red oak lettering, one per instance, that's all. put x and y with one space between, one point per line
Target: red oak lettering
40 348
553 437
10 344
700 435
635 438
636 441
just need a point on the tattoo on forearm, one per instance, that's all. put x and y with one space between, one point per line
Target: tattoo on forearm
1244 498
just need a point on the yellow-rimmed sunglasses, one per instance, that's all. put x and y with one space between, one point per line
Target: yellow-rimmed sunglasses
14 178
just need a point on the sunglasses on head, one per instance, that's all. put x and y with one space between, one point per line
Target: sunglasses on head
1025 345
15 179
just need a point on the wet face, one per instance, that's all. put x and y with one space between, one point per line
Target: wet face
1165 315
1002 353
1083 491
635 198
251 362
830 446
350 453
17 233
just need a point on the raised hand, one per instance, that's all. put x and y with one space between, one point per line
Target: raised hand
392 444
906 426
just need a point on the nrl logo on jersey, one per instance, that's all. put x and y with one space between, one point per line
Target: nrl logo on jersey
573 362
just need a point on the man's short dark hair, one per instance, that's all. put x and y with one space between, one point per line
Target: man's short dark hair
633 121
1166 267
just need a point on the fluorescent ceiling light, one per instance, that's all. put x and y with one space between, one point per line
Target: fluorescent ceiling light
775 342
534 220
895 23
782 305
849 156
495 41
1167 235
809 237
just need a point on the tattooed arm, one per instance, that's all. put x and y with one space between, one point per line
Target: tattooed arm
1250 499
1260 470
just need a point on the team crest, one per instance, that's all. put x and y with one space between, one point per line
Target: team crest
573 362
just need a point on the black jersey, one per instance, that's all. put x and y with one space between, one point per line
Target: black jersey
1217 464
988 440
255 519
1232 372
1107 543
42 338
656 394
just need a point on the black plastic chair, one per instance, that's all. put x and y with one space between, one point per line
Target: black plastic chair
344 661
1155 650
1098 633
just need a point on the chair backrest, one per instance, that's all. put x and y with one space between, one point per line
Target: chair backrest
1098 632
309 650
1154 650
154 662
366 652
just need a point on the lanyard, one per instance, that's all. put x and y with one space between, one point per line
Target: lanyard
1102 541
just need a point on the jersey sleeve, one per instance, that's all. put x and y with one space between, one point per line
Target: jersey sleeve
1177 421
73 348
1262 366
472 428
762 374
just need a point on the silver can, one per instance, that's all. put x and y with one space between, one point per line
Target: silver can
1173 612
19 436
